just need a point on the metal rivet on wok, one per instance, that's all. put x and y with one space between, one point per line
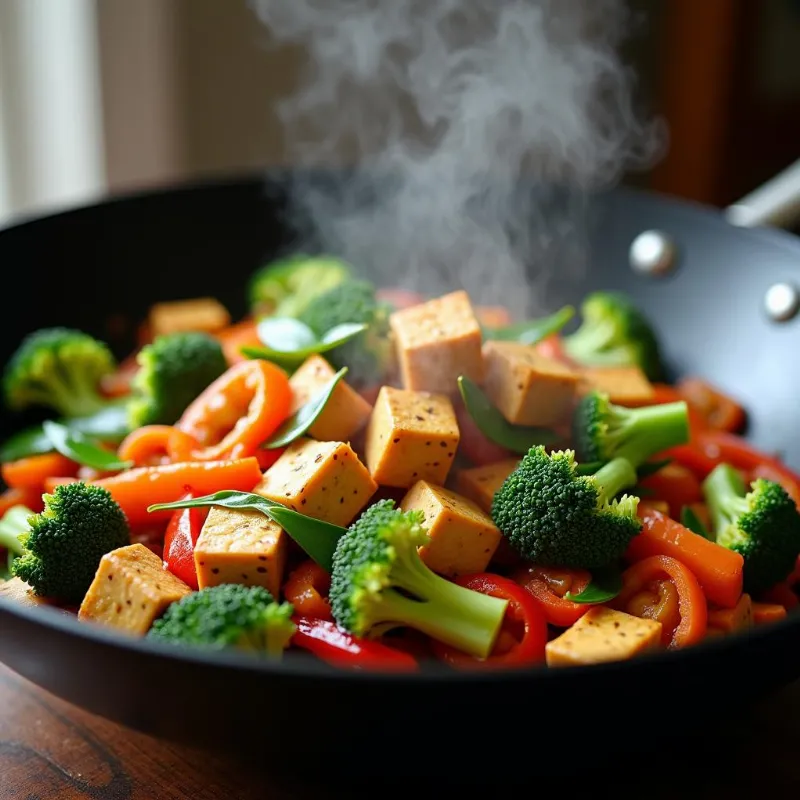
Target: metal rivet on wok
653 253
781 302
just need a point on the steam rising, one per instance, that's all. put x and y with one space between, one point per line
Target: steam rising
454 101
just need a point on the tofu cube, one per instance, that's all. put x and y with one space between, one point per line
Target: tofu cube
436 342
626 386
732 620
241 546
130 590
527 387
17 590
603 634
480 484
204 314
324 480
463 536
346 411
410 436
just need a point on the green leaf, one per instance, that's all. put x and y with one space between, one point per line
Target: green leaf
532 331
305 416
605 585
317 538
289 342
493 425
78 447
691 521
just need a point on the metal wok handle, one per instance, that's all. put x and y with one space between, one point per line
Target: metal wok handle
775 203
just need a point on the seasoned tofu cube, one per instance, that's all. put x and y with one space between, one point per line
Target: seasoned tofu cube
241 546
603 634
346 411
480 484
324 480
410 436
436 342
463 536
527 387
204 314
130 590
626 386
732 620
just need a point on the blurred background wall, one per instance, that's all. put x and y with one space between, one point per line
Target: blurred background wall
121 94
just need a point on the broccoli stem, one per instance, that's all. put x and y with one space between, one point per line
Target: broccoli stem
725 493
612 478
649 430
591 340
14 525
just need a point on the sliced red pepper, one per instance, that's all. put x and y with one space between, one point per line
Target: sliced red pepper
182 533
548 587
326 640
677 485
664 393
523 636
720 412
307 590
663 589
691 457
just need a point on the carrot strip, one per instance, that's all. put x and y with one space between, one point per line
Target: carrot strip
146 446
31 498
307 588
764 613
51 483
718 570
32 471
141 487
234 337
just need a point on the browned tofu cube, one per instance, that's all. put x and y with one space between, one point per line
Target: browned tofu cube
410 436
480 484
204 315
130 590
463 537
324 480
732 620
626 386
241 546
436 342
603 634
526 387
346 410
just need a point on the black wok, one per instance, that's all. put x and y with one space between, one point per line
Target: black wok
99 268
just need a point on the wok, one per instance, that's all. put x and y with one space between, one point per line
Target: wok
99 267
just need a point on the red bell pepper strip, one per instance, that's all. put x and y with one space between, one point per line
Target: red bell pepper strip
720 412
182 533
146 446
307 590
691 457
782 594
677 485
326 640
663 589
548 587
524 634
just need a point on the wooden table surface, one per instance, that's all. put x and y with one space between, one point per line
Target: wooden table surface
49 749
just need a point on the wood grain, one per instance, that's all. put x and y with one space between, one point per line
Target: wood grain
49 749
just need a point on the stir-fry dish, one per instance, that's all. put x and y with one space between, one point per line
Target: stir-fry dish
382 480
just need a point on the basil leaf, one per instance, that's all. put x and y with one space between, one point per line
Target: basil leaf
77 447
691 521
493 425
317 538
605 585
305 416
289 342
533 331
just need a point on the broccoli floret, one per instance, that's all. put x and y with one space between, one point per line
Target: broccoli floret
60 549
762 523
13 525
59 368
614 332
228 616
174 370
284 288
602 430
368 355
379 582
553 516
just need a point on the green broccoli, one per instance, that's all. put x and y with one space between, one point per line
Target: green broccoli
555 517
284 288
228 616
762 524
379 582
60 549
174 370
615 333
13 524
59 368
368 355
602 430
